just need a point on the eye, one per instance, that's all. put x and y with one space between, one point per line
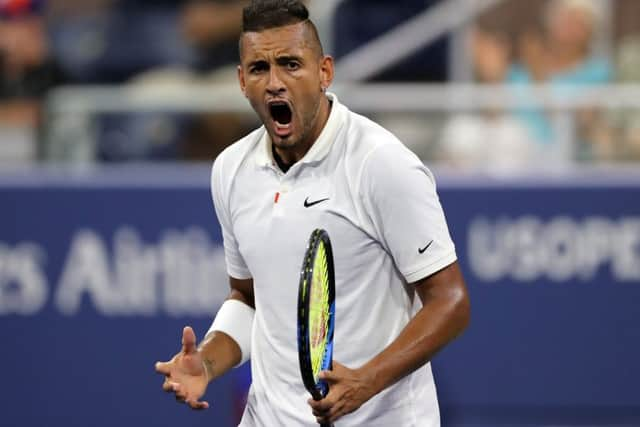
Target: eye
258 68
292 65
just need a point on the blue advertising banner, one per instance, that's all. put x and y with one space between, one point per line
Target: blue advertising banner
554 277
100 271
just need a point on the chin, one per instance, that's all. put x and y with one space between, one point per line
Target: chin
284 143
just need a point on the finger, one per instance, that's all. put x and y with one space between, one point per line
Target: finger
337 366
320 414
334 375
322 406
329 376
180 392
163 368
173 387
329 418
180 396
336 412
197 405
166 386
188 340
317 409
316 406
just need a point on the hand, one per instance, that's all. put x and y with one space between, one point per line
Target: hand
185 374
348 390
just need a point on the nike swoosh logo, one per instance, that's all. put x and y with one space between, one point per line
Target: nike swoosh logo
308 204
422 250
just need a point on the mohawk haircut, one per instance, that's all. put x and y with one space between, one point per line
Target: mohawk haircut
263 15
266 14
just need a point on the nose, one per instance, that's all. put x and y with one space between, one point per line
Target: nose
275 84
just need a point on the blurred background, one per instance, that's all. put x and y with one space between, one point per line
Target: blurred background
112 111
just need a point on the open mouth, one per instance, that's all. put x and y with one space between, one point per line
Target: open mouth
280 112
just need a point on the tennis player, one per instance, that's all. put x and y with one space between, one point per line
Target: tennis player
400 295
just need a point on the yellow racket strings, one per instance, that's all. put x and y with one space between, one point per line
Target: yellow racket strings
318 310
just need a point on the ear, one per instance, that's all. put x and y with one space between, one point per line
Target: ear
243 85
326 72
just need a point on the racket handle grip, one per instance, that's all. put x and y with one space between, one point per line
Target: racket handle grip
326 425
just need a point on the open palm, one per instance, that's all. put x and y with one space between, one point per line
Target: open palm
185 375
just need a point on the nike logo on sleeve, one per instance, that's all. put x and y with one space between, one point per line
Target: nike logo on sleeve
422 250
308 204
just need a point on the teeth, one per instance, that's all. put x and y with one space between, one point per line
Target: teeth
280 110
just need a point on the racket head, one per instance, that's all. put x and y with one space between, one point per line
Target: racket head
316 313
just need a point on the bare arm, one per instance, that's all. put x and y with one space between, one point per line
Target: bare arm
189 372
219 351
444 315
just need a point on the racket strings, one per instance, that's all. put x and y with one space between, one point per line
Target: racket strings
319 310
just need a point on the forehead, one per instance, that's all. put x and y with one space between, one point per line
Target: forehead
290 39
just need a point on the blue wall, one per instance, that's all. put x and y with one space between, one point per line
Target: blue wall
100 271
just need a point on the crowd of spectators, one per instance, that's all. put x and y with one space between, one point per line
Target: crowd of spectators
560 43
45 44
556 45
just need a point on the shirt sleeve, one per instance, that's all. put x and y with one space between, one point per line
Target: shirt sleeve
400 199
236 266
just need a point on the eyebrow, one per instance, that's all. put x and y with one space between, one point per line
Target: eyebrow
258 62
281 60
286 58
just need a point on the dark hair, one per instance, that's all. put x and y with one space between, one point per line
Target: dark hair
263 15
266 14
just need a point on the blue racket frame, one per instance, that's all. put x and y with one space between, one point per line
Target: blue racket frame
317 389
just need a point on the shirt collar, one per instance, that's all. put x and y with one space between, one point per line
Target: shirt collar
319 149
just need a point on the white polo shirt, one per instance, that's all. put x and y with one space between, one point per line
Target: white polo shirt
378 203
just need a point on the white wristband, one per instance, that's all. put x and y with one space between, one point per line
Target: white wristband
235 319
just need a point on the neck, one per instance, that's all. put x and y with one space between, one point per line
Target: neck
284 166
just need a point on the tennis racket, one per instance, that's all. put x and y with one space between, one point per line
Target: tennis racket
316 313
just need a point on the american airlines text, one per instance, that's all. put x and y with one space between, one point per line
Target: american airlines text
182 274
